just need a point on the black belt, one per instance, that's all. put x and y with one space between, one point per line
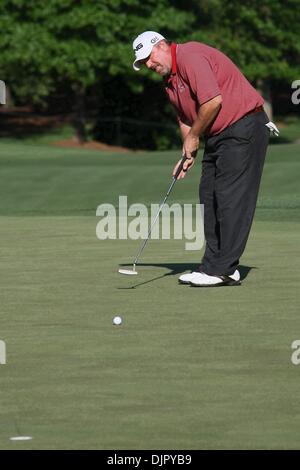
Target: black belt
254 111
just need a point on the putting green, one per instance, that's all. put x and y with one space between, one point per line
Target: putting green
189 368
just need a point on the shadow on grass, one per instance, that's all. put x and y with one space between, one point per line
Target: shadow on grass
176 269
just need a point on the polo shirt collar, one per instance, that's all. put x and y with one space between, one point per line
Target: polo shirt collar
174 63
168 79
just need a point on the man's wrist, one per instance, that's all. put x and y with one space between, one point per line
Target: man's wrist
193 155
194 134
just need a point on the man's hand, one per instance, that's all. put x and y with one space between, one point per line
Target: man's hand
186 166
190 145
189 149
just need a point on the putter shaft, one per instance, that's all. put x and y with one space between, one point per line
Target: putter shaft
179 169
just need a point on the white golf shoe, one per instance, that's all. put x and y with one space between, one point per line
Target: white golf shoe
187 278
198 279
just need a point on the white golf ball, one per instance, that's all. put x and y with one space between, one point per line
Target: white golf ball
117 320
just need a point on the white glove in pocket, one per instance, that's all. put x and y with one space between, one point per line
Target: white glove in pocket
272 128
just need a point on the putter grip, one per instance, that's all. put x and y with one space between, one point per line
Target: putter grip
179 169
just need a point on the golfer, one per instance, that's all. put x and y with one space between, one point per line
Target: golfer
214 100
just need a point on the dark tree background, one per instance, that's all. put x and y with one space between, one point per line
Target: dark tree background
74 58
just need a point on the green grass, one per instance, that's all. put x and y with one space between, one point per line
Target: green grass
289 128
40 135
189 368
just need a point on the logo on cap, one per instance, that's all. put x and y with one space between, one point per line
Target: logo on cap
153 40
139 46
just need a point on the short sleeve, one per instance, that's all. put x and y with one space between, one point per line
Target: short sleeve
197 72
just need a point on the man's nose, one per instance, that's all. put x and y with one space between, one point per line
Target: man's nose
148 63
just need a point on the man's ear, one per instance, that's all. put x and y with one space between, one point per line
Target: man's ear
163 45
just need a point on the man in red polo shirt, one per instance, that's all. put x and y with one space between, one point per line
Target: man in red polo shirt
214 100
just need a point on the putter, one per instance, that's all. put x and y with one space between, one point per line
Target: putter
133 271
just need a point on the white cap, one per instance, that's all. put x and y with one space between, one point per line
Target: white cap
143 46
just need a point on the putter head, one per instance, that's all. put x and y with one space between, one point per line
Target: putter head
128 272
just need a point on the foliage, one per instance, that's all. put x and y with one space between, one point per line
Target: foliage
76 55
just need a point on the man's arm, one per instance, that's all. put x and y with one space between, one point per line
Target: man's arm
190 135
184 129
206 115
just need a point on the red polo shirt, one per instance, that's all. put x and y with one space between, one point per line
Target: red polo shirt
199 73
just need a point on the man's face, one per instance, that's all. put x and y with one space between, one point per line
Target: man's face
160 59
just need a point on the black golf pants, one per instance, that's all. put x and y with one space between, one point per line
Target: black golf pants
231 172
